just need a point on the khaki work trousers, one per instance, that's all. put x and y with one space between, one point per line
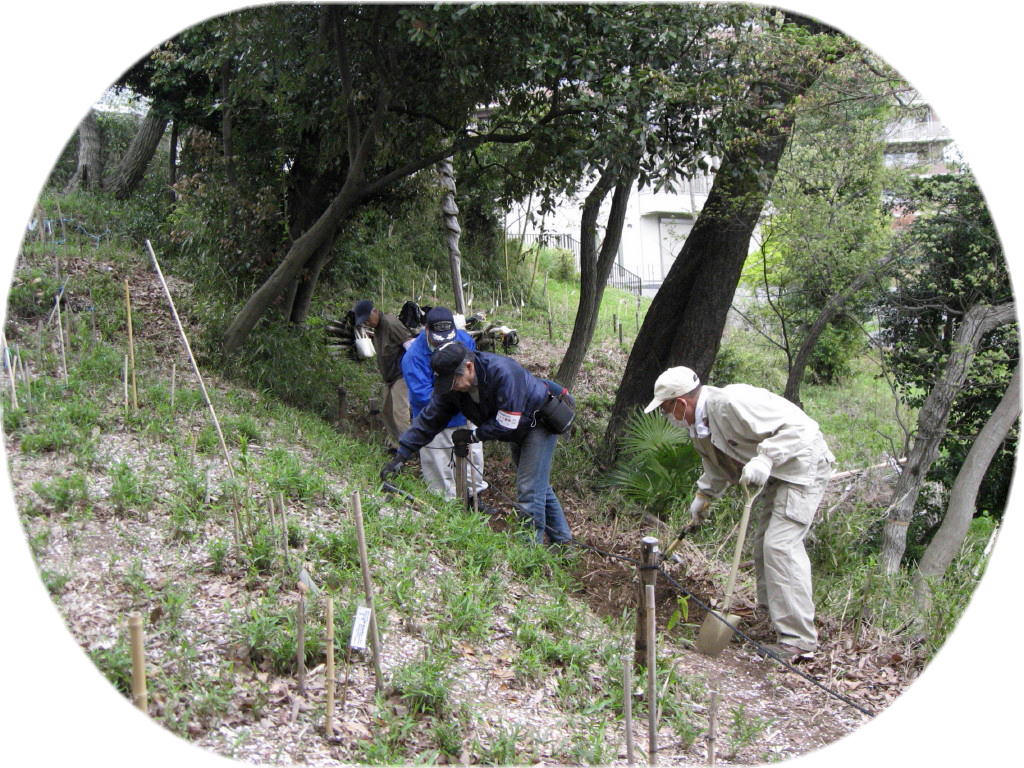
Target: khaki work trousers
782 516
439 470
396 408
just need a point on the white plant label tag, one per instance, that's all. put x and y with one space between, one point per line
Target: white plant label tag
508 419
359 628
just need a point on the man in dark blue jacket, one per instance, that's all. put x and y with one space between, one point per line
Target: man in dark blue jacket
436 457
503 399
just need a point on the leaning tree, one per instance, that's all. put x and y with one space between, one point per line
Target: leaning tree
685 321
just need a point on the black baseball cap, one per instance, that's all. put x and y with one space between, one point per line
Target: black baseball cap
440 326
448 362
362 311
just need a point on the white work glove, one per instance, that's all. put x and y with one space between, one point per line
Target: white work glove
756 471
699 509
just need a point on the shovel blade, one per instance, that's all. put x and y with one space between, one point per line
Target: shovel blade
714 635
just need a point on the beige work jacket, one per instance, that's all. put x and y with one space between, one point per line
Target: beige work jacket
748 421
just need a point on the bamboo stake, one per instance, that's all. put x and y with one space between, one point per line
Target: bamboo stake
648 575
300 639
174 371
627 705
712 725
124 379
283 510
329 671
139 697
652 681
26 380
364 564
202 387
9 366
131 345
60 336
191 357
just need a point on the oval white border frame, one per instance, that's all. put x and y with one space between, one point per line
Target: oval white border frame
56 709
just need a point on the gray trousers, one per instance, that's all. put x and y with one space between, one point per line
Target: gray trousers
438 472
781 518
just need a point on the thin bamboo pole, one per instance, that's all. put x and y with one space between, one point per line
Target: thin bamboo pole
9 367
652 681
627 705
329 671
124 380
712 737
364 564
192 359
131 345
60 336
283 511
300 639
139 696
174 372
202 387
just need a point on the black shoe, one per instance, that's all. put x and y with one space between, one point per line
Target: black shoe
483 506
786 652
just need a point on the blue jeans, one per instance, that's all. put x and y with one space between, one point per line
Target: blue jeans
537 498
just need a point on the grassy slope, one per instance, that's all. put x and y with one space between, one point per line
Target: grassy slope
139 509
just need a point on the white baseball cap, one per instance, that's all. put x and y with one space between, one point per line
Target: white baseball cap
673 383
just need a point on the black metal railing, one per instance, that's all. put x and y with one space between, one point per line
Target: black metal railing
620 277
561 240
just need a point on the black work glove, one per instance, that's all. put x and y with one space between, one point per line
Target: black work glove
464 436
391 469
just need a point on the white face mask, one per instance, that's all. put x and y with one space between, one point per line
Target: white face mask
671 416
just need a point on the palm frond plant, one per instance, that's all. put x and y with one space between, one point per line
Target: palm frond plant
657 463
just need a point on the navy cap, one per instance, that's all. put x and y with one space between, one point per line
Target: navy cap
448 362
440 326
362 311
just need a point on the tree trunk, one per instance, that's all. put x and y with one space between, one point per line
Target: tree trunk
301 251
305 286
931 425
595 266
89 173
684 323
450 214
129 172
811 335
951 534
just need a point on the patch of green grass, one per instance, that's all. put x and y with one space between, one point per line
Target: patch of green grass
54 581
743 730
64 493
269 632
115 663
500 748
468 605
218 551
129 490
283 471
423 684
860 418
391 732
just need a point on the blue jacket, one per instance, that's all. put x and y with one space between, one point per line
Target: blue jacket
419 376
510 397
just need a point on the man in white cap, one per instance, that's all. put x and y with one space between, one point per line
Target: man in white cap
754 437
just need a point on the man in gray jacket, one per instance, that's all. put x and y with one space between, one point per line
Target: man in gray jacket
754 437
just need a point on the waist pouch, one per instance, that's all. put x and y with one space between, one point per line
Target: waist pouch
557 414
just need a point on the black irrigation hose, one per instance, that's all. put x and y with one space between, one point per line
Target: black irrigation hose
763 650
689 595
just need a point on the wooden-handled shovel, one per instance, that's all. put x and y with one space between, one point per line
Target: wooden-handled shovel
716 631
